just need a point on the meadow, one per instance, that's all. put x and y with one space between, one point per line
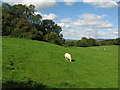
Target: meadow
41 64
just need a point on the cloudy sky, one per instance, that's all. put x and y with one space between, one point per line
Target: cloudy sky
79 18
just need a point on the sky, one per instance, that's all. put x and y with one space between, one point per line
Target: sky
79 18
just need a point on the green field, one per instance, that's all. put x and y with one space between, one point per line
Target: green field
41 63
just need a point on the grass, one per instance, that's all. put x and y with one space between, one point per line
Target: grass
42 62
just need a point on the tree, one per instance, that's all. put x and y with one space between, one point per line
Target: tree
83 42
36 19
35 34
57 28
116 41
0 20
54 38
24 25
20 21
19 11
50 26
70 43
6 19
6 7
22 11
17 33
106 42
92 42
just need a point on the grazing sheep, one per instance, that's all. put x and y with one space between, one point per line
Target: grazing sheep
104 48
68 57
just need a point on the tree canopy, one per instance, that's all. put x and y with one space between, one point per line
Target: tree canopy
21 21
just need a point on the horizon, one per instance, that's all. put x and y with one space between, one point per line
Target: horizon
92 38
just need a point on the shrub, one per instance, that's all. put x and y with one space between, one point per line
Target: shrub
116 41
54 38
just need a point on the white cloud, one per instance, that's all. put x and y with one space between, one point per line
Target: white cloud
93 21
105 25
39 4
77 33
102 3
71 34
110 29
37 13
95 3
108 34
91 17
66 23
70 2
116 32
86 26
44 4
65 26
51 16
66 20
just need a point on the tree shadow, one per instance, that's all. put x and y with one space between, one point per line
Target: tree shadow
30 84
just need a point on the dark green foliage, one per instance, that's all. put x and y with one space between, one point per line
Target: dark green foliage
35 35
117 41
92 42
16 33
36 19
48 26
6 31
54 38
20 21
84 42
106 42
70 43
24 25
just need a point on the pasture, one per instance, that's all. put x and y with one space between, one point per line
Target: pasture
41 63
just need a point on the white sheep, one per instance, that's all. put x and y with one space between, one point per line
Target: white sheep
68 56
104 48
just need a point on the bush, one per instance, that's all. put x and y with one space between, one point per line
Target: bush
6 31
16 33
106 42
116 41
54 38
70 43
84 42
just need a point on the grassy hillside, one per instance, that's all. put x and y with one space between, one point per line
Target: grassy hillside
40 63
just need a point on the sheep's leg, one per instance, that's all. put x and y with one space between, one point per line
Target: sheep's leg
69 60
66 58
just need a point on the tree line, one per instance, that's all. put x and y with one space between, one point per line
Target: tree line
21 21
87 42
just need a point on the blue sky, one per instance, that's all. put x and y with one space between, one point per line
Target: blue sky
81 19
64 11
74 11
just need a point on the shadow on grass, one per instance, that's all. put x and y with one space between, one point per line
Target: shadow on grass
73 60
29 84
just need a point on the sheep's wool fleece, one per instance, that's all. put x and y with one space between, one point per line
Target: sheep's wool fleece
67 55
